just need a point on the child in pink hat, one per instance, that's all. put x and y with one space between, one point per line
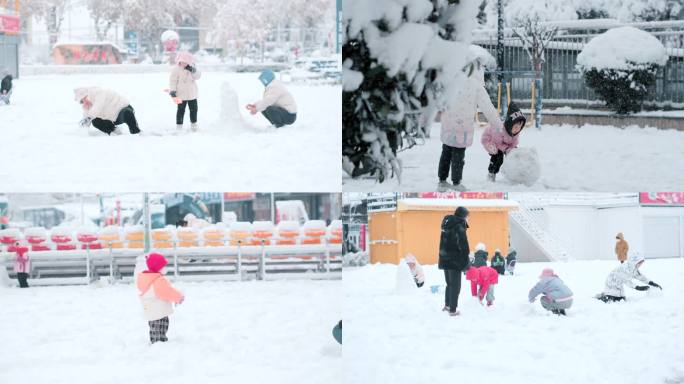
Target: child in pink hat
157 295
556 296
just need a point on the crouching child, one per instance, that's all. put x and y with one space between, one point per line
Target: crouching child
416 270
556 296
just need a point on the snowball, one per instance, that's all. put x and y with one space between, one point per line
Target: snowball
522 166
621 48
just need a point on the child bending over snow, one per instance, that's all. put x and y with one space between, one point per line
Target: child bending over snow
624 274
482 281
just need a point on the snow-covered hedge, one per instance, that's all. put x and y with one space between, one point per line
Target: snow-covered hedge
357 259
620 65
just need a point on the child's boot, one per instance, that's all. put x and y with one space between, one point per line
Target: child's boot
443 186
562 312
194 127
179 127
491 177
489 303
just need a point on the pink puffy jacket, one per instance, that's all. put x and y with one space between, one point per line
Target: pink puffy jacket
22 264
484 277
499 138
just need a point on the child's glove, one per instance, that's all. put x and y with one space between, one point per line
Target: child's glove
85 123
642 287
190 68
652 284
172 93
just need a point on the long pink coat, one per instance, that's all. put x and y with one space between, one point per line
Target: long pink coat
22 264
497 136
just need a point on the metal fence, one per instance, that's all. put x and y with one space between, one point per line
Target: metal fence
563 84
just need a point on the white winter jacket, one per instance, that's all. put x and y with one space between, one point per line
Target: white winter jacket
622 275
106 104
458 121
276 94
183 82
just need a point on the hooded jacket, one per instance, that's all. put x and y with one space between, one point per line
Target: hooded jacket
156 295
458 121
623 275
417 272
551 287
453 241
6 84
106 104
621 247
276 94
502 138
481 278
183 82
480 258
498 263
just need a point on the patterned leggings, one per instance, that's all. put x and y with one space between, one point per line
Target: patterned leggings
158 329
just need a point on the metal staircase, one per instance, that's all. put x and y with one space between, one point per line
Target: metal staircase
529 219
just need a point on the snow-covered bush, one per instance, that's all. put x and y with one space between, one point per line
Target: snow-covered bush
355 259
620 65
402 60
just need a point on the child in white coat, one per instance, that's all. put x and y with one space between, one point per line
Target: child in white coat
183 88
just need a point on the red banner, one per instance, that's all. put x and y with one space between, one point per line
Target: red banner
238 196
462 195
661 198
9 24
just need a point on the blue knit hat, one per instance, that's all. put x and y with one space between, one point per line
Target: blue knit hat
266 77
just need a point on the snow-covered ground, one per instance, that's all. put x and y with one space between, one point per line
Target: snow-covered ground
44 149
406 338
587 158
246 332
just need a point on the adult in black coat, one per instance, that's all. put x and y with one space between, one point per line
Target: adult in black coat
453 256
5 87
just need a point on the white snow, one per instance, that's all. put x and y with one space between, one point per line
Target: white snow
49 152
522 166
622 48
483 56
587 158
240 332
518 11
406 338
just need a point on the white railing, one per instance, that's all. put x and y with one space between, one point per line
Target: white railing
310 261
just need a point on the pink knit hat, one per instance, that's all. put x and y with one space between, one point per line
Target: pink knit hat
547 272
185 57
155 262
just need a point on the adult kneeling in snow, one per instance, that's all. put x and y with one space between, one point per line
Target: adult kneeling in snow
278 105
615 283
105 109
557 297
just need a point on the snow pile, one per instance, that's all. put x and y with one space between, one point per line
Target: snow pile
522 166
622 48
483 56
355 259
246 332
230 109
221 156
389 335
587 158
404 280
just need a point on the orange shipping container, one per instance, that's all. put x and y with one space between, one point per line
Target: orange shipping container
414 227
